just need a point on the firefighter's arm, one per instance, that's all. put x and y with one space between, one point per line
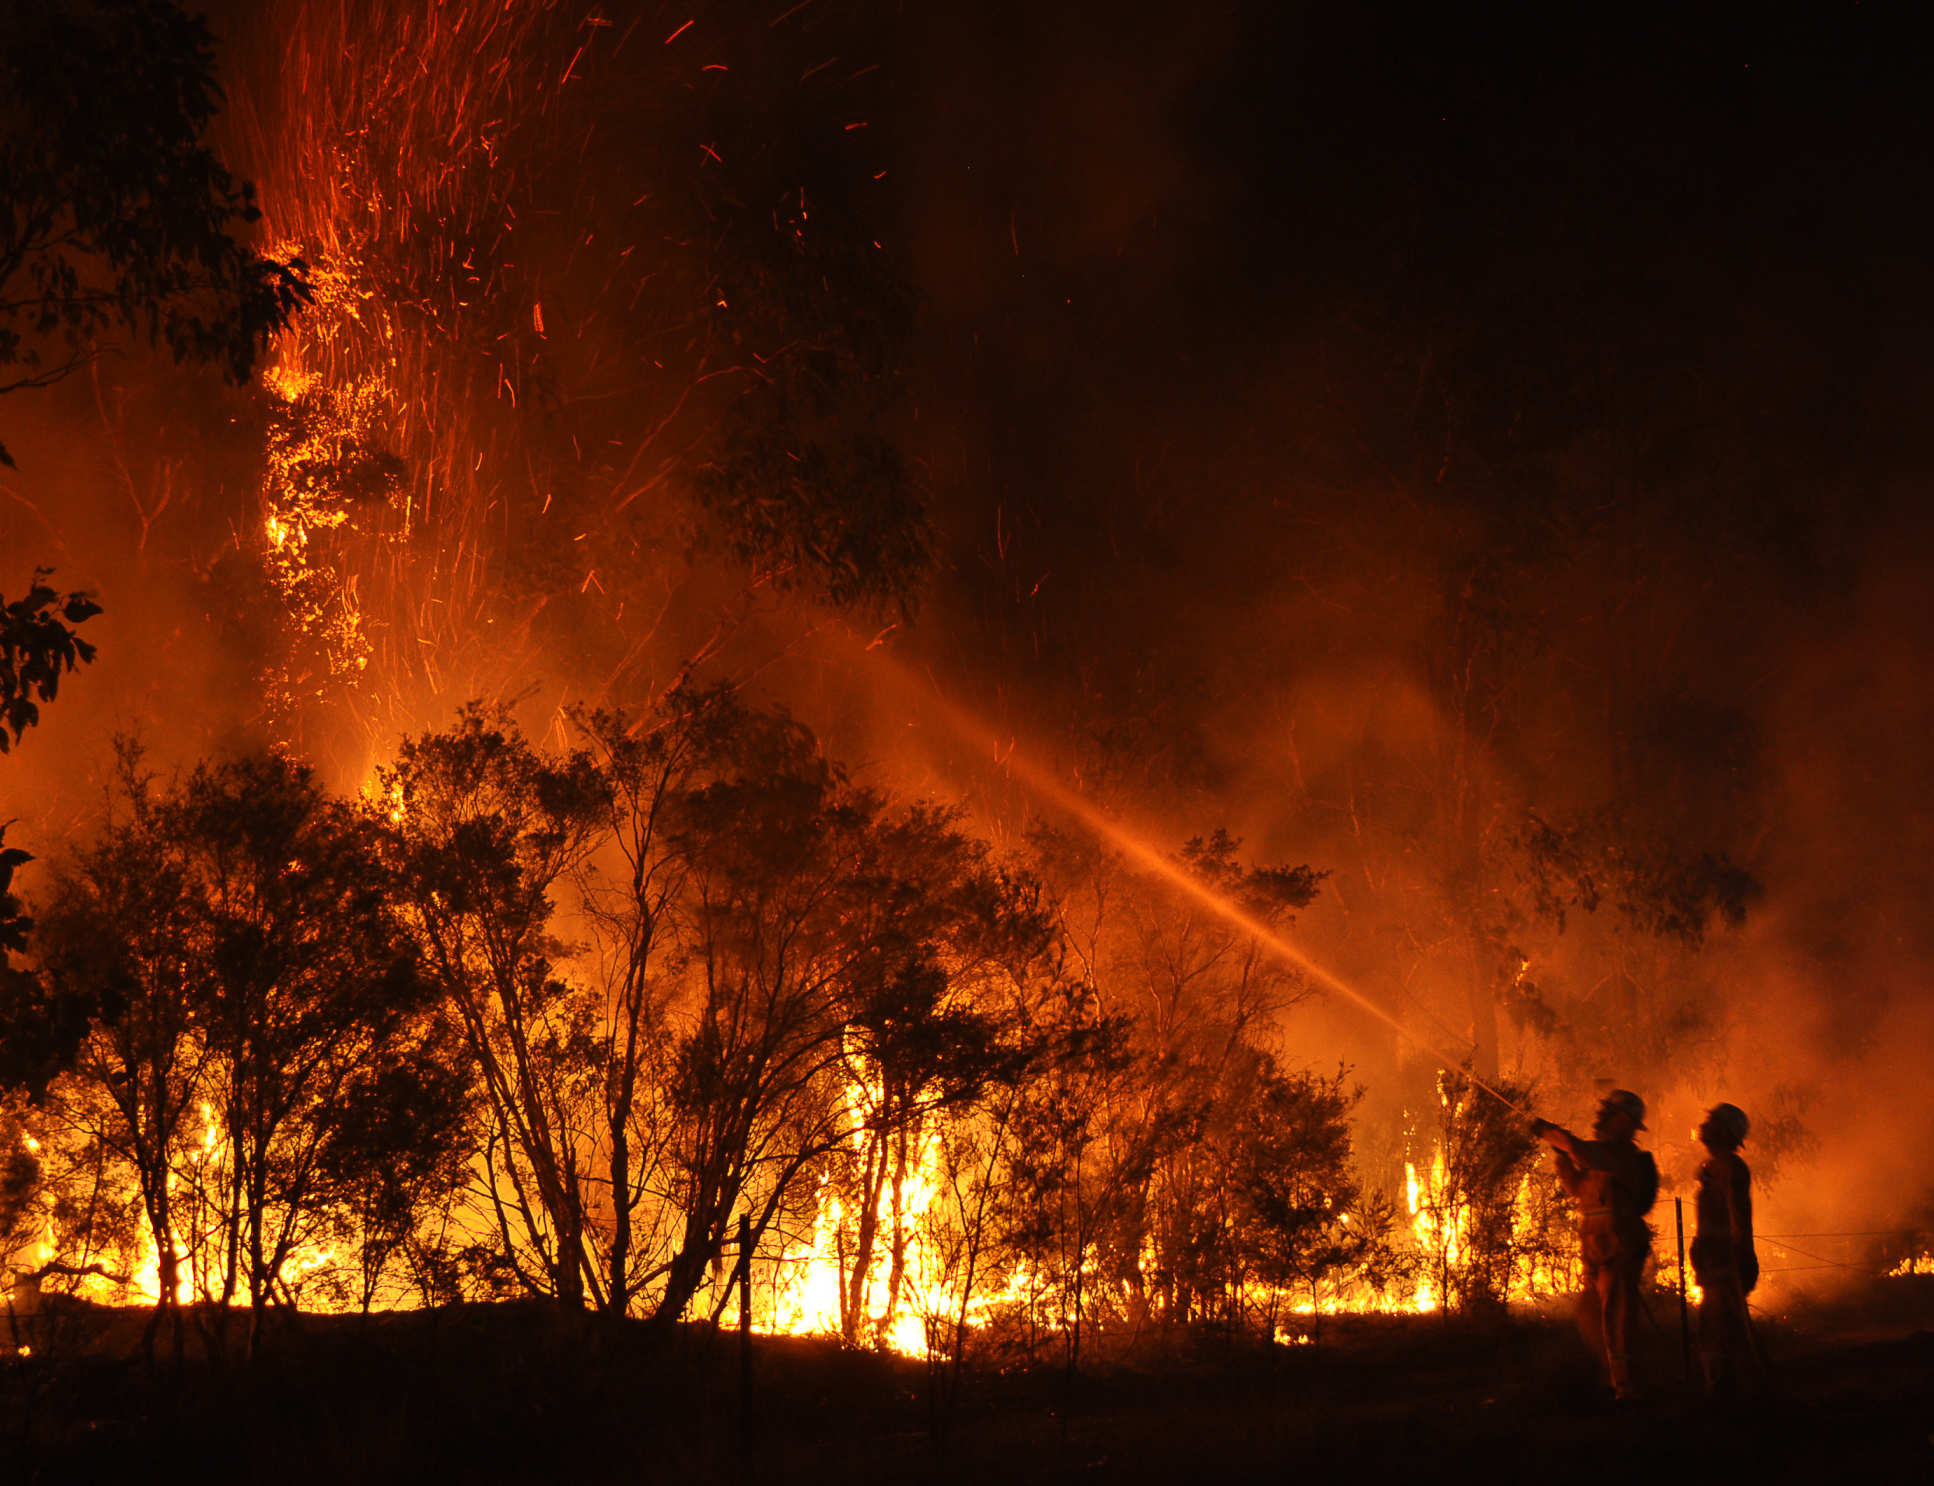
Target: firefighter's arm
1561 1140
1569 1176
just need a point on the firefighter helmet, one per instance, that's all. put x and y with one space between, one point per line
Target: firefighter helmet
1730 1120
1625 1102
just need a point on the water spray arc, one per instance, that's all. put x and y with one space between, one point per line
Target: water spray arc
1135 847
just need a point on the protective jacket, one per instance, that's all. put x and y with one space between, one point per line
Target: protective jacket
1614 1184
1722 1245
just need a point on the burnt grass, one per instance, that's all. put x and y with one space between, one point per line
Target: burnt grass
517 1393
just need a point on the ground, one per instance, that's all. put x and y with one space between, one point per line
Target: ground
510 1393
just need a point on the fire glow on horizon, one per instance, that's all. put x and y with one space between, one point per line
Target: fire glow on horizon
395 481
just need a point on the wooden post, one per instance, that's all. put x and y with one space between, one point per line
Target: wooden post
1685 1322
745 1330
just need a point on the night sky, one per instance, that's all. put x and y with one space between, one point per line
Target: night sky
1145 239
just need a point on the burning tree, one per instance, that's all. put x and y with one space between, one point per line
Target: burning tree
312 1000
1207 993
117 956
1118 1193
781 972
1476 1221
21 1228
1057 1192
391 1163
486 830
955 946
836 947
248 983
1301 1217
614 406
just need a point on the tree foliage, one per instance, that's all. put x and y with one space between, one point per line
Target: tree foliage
1301 1216
37 647
117 213
1653 889
486 831
558 1021
808 483
1480 1241
249 990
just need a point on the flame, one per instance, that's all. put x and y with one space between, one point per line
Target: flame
378 136
1439 1226
283 380
200 1272
1438 1239
389 801
810 1290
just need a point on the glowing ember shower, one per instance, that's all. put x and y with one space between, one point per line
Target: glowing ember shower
462 427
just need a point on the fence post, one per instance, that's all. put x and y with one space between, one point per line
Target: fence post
1685 1323
745 1330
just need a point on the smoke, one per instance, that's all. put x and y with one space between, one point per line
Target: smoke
1347 432
1347 437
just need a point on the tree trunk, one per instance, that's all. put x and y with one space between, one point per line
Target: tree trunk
167 1260
618 1291
567 1273
872 1182
259 1279
896 1273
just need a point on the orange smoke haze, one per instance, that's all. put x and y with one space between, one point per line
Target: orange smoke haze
1192 573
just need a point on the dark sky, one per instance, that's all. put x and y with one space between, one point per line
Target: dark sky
1194 277
1166 203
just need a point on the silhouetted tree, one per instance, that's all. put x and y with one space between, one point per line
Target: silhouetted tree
486 830
397 1149
39 1032
774 846
1300 1214
807 482
1064 1193
236 946
311 994
951 944
37 647
117 213
629 893
1195 997
119 956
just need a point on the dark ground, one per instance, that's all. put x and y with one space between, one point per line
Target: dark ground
505 1393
